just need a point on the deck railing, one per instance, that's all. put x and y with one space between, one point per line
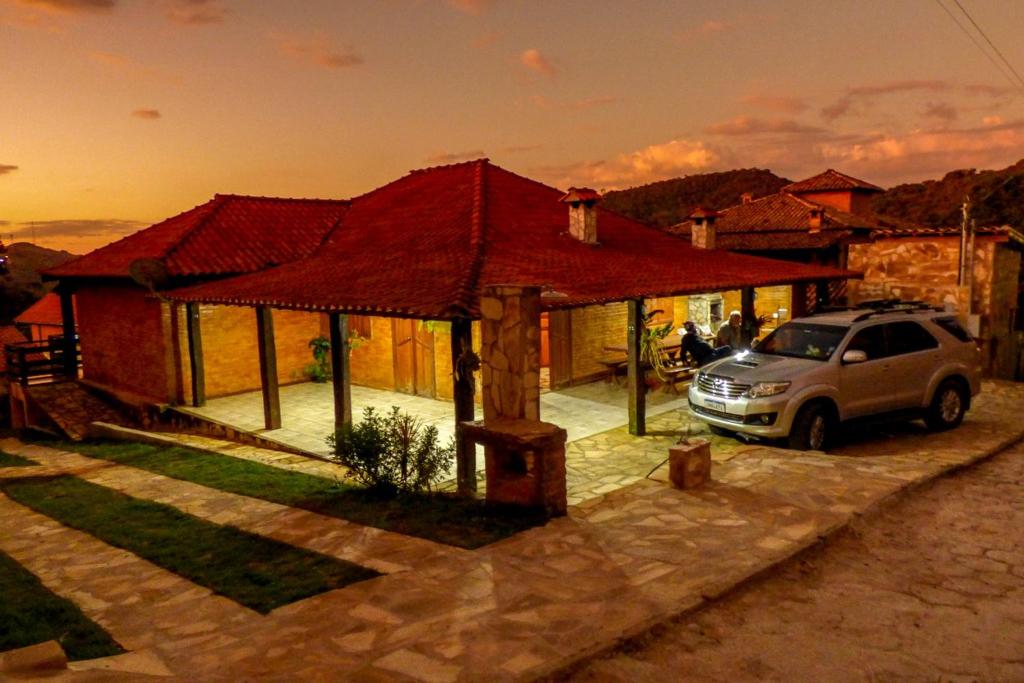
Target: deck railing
39 362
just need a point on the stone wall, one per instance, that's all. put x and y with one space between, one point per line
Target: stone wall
510 352
925 269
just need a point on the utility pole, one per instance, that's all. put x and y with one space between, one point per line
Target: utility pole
965 210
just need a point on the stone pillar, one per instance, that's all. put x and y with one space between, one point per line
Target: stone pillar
510 352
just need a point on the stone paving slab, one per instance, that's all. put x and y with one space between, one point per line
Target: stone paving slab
617 565
381 550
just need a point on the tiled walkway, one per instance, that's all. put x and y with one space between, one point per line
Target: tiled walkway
618 564
307 411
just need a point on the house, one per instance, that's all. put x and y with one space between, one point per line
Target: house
827 219
226 297
42 319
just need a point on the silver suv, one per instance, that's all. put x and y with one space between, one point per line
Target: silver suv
812 374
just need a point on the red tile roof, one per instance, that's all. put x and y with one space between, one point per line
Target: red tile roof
581 194
423 246
229 234
831 180
46 311
8 335
781 213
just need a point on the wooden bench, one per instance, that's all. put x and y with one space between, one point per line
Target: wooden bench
675 374
614 365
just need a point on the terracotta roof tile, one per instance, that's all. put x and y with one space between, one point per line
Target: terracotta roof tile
424 245
830 180
227 235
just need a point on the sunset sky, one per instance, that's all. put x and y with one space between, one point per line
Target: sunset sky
118 113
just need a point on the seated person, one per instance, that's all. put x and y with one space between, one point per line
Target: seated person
699 350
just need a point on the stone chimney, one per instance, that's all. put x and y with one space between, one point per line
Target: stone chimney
702 234
747 197
814 221
582 203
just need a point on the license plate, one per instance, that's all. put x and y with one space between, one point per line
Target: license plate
715 405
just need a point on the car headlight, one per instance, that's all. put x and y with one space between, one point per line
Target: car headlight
762 389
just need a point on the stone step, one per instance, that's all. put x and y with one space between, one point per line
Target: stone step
72 408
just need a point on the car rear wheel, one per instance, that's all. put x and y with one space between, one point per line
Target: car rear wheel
812 429
948 406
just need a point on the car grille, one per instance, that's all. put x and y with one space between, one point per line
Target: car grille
717 385
701 410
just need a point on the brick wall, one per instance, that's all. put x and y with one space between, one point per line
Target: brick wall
593 328
1002 310
124 334
372 363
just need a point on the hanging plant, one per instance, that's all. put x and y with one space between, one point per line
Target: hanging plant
320 369
650 343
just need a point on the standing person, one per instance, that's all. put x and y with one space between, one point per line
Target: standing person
731 332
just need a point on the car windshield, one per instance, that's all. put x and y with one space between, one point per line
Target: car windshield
803 340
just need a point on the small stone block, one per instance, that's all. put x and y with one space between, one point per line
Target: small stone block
46 656
689 464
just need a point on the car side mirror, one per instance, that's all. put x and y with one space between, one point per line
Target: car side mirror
854 356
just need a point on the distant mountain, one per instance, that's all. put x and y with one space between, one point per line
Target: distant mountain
22 285
671 201
997 198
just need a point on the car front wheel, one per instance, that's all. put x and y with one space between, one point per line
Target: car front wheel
811 430
948 407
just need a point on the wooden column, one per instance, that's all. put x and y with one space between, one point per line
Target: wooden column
464 389
268 367
340 375
195 355
634 369
798 302
749 325
67 317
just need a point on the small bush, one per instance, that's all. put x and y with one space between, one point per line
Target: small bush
392 453
320 369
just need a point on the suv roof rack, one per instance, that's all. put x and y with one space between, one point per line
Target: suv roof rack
883 306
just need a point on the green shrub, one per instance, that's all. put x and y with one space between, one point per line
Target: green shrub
320 369
393 453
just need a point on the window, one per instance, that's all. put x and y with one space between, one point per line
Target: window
803 340
359 325
909 337
870 340
952 325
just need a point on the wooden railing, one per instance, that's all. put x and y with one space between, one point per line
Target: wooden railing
39 362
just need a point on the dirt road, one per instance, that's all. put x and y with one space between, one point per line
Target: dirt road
932 589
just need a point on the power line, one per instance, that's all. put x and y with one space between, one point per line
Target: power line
991 44
1002 70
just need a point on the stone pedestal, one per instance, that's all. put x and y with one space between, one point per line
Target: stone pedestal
689 464
525 462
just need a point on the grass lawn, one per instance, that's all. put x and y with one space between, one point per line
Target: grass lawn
439 517
30 614
11 460
255 571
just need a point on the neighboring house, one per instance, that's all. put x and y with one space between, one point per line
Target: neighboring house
827 219
402 261
42 319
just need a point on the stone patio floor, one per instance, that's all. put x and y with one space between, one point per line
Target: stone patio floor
528 606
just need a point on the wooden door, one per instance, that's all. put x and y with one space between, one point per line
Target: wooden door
413 357
560 342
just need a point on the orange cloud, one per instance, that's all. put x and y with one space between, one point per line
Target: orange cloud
319 51
746 125
777 103
654 162
195 12
148 114
70 6
7 168
534 60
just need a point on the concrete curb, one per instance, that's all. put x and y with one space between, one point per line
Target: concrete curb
573 663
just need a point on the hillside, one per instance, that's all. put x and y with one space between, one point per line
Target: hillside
997 198
670 201
22 286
